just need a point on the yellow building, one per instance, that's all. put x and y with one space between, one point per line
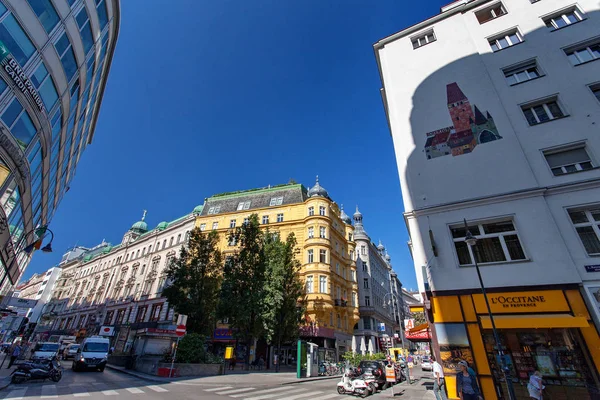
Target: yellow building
324 235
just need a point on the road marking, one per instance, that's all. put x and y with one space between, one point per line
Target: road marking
236 390
16 394
215 389
302 395
134 390
49 392
110 393
270 396
329 396
279 389
81 394
157 388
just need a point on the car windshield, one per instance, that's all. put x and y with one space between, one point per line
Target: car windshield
367 364
96 347
46 347
74 347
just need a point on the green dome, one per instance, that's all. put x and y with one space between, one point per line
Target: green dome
198 209
162 226
140 226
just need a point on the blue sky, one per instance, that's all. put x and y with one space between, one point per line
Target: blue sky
211 96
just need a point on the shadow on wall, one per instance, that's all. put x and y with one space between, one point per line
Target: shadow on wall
468 142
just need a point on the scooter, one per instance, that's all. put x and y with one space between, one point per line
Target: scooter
35 370
353 386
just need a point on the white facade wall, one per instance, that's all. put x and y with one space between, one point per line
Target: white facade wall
508 177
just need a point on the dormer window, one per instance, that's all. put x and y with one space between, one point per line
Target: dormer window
214 210
243 205
276 201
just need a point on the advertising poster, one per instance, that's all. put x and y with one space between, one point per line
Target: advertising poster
454 346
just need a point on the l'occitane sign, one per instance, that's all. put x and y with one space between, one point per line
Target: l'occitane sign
523 302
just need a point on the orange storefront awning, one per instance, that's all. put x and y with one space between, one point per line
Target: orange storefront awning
534 321
419 328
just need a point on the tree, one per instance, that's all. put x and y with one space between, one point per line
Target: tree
284 304
243 288
195 280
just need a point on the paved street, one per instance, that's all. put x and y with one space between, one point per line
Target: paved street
96 385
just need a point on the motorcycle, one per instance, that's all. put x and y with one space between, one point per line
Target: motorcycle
351 386
38 370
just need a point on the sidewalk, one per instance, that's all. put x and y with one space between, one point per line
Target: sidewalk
239 377
4 372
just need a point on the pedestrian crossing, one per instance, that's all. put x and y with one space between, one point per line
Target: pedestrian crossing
75 390
302 392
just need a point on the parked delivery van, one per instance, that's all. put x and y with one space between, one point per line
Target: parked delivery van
92 354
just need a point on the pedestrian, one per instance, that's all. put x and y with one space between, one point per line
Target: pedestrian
232 363
261 363
466 383
15 354
535 386
411 363
439 385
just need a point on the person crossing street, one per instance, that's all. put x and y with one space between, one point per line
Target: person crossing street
15 354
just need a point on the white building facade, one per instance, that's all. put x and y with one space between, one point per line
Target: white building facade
496 121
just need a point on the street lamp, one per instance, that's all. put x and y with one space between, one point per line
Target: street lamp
393 300
471 241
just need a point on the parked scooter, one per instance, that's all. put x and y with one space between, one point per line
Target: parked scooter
38 370
352 386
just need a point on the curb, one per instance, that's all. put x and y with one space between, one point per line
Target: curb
303 380
127 372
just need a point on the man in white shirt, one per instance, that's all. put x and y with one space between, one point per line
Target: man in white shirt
439 386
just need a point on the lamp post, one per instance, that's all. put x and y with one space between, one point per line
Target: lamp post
471 241
395 312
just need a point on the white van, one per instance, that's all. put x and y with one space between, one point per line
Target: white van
45 350
93 353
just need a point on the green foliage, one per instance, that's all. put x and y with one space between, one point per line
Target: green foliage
284 301
419 318
356 358
191 349
196 278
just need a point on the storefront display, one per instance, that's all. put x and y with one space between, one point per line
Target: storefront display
559 354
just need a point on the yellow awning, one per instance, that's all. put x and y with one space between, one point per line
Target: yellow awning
416 308
419 328
534 321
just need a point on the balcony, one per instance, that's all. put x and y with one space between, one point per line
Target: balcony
341 303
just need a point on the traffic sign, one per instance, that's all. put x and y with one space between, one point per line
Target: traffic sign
180 330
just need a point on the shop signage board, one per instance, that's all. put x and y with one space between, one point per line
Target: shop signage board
592 268
523 302
21 303
107 330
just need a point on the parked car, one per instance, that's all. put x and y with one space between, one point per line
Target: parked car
93 353
45 351
70 351
376 369
426 364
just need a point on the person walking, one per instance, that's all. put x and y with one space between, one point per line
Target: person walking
535 387
410 361
15 354
439 385
466 383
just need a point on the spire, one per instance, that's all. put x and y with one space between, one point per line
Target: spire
479 118
454 93
359 230
144 215
489 116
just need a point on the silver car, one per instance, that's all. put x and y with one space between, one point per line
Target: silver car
70 351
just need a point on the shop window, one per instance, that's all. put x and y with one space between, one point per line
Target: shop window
497 241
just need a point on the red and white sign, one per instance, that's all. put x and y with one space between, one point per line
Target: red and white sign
409 324
180 331
107 330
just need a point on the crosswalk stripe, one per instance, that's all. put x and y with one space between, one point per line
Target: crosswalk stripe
81 394
157 388
279 389
236 390
49 392
272 395
110 393
16 394
329 396
134 390
219 388
303 395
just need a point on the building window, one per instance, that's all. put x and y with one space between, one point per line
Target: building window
232 223
322 232
423 39
244 205
215 225
505 40
490 13
46 13
323 256
309 284
523 72
587 225
141 314
15 39
214 210
567 160
246 221
202 228
339 321
265 219
596 90
311 232
584 52
321 210
178 241
322 284
337 268
542 111
353 275
350 237
564 18
102 13
311 211
279 217
363 250
67 56
366 283
232 240
498 241
83 22
368 304
353 299
19 122
276 201
311 256
155 313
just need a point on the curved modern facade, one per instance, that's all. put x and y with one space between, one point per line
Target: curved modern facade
55 56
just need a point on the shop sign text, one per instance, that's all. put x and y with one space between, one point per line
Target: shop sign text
518 301
13 69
